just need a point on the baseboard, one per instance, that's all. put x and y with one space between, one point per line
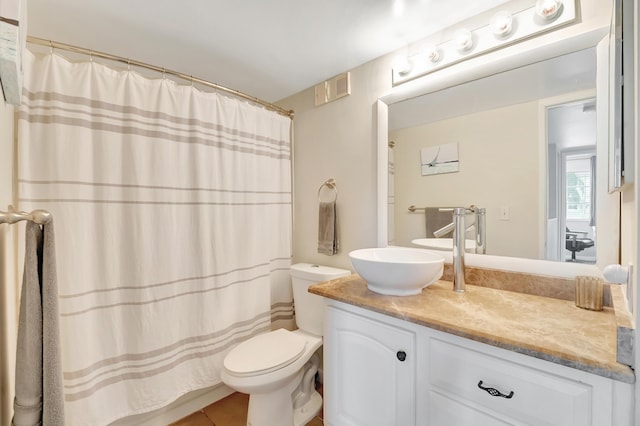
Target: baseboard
182 407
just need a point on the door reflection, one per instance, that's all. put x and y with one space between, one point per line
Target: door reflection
571 181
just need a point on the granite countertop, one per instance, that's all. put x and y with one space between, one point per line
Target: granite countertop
543 327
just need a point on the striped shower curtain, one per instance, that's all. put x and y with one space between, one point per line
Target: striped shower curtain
173 215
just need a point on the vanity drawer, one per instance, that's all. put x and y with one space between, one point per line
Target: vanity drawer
539 398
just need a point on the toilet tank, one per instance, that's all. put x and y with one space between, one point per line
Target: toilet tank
309 308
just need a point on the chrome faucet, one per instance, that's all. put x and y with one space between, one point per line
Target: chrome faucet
459 239
458 249
481 236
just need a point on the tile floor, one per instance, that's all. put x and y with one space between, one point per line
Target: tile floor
230 411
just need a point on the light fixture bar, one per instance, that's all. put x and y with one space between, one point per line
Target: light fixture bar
525 24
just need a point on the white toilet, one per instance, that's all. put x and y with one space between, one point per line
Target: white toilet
277 369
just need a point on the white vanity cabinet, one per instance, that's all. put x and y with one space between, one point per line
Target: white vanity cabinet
369 371
446 380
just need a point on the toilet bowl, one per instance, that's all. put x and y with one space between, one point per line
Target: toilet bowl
278 369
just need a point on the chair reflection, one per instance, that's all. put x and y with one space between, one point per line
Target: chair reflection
576 241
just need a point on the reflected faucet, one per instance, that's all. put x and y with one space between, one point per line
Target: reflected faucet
439 233
459 239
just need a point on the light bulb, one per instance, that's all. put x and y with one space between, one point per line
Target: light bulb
501 24
463 40
548 9
432 54
402 65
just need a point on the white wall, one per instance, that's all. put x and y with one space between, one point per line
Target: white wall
507 138
8 284
335 141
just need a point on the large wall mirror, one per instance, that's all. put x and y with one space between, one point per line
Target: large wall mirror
530 145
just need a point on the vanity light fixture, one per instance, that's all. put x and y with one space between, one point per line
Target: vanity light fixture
501 24
463 40
505 28
548 10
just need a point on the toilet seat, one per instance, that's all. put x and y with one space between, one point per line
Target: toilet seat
276 350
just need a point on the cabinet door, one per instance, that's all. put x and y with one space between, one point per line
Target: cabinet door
369 376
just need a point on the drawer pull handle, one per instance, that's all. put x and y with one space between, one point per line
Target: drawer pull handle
494 392
401 355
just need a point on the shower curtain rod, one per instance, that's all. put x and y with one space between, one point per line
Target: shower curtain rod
12 216
92 53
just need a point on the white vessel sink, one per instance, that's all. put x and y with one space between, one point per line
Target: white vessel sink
397 271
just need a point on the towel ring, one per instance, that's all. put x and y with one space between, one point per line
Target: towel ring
331 184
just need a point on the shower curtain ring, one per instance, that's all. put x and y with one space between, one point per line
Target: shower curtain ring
51 46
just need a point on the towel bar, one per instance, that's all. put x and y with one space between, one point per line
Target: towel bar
12 216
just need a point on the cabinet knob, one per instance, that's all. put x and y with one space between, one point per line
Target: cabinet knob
401 355
494 392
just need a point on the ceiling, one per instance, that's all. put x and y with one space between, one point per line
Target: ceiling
268 49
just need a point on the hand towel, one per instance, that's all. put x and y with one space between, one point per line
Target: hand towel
435 219
327 228
39 397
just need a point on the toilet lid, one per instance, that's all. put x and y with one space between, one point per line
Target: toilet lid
264 353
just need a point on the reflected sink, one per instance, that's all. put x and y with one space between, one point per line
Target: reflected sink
397 271
445 244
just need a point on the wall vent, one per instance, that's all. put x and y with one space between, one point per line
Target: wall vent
332 89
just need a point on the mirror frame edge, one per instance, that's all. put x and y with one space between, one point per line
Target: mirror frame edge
382 142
